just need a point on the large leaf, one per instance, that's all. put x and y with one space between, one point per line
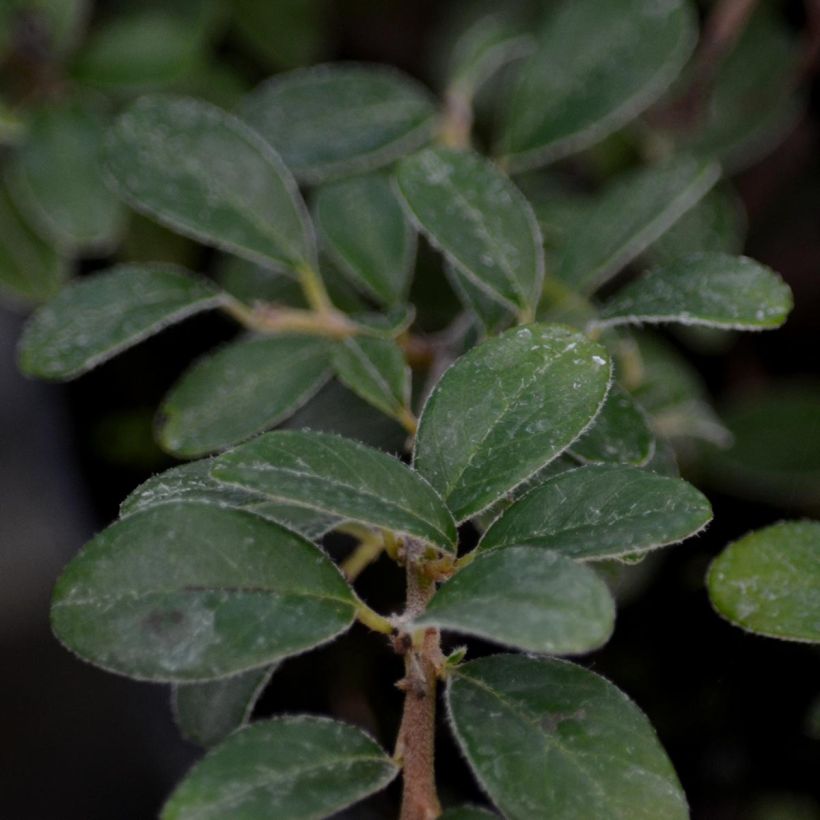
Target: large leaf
602 512
95 318
243 388
769 581
364 230
289 767
479 220
526 598
597 66
57 181
193 482
506 409
335 120
190 592
628 217
207 713
547 738
711 289
342 477
204 173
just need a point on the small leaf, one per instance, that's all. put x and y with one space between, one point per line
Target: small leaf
479 220
505 410
95 318
526 598
242 389
339 476
711 289
597 66
190 592
376 370
288 767
547 738
336 120
602 512
365 232
206 713
619 435
202 172
608 235
769 581
491 314
193 482
56 179
387 325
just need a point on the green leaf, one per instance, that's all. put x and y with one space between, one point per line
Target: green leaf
480 221
602 512
467 813
63 22
251 283
597 66
769 581
342 477
628 217
242 389
31 270
56 178
190 592
288 767
95 318
506 409
376 370
202 172
547 738
491 315
365 233
206 713
387 325
711 289
337 119
619 435
528 599
193 482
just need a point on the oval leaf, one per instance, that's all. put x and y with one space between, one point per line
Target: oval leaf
597 66
335 120
187 592
342 477
769 581
97 317
526 598
240 390
547 738
712 289
479 220
205 174
506 409
289 767
602 512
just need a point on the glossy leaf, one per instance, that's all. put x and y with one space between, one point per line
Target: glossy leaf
505 410
628 217
364 231
243 388
711 289
57 181
339 476
547 738
528 599
597 66
769 581
602 512
190 591
206 713
205 174
479 220
95 318
336 120
288 767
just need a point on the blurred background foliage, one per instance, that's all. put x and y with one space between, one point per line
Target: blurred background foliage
734 711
